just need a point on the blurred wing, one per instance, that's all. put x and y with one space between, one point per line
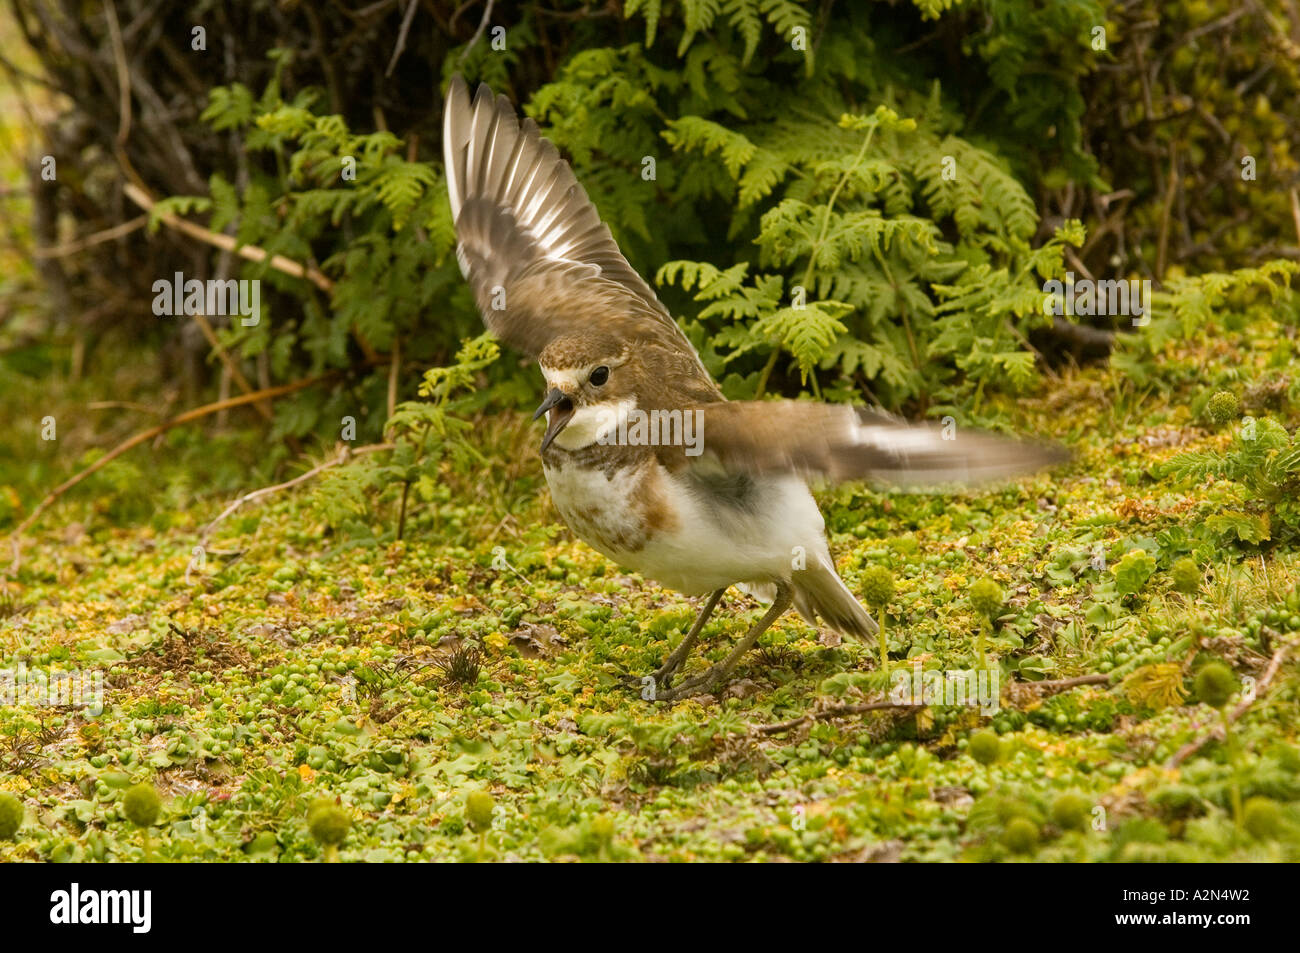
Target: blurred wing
839 442
530 242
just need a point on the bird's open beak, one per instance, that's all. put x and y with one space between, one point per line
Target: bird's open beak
561 411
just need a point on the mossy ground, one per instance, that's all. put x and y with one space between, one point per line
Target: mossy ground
298 661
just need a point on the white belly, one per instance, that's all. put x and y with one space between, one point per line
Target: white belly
606 512
692 542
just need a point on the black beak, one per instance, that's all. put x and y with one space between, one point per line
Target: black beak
561 408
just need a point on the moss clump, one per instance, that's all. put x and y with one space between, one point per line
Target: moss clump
1288 756
1070 812
603 827
1215 683
328 822
1186 576
1021 835
11 816
984 747
878 589
1223 407
1177 800
141 805
877 586
986 598
479 806
1262 818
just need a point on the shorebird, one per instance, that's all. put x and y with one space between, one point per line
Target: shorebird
646 461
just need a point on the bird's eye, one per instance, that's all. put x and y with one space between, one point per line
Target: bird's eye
599 375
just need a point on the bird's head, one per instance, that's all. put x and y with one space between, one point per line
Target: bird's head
589 384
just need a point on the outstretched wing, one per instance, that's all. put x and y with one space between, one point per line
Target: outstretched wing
530 242
839 442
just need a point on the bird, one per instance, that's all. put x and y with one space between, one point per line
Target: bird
645 459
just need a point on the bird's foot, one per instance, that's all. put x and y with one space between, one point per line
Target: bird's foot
653 685
705 683
647 685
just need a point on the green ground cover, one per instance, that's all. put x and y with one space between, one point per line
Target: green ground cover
488 651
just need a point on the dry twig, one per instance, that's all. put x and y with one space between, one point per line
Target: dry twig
143 436
345 453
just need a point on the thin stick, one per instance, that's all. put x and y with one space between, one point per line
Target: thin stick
1162 243
123 405
833 711
262 407
1295 212
401 36
252 252
146 435
345 453
227 243
123 75
1061 684
393 369
482 25
107 235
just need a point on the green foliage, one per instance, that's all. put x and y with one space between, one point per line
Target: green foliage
1038 57
867 288
857 249
176 205
745 17
426 433
1262 466
840 224
1187 307
383 222
1133 571
11 815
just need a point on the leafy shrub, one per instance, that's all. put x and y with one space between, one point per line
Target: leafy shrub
843 231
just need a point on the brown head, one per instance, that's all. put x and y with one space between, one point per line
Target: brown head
588 374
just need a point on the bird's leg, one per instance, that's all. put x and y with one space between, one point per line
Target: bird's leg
716 675
677 656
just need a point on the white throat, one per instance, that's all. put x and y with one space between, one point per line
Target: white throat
593 423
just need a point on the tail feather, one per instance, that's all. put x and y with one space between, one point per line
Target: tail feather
820 592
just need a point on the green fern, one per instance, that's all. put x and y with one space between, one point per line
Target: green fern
861 236
176 205
1263 462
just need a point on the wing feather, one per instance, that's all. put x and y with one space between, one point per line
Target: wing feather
523 222
839 442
